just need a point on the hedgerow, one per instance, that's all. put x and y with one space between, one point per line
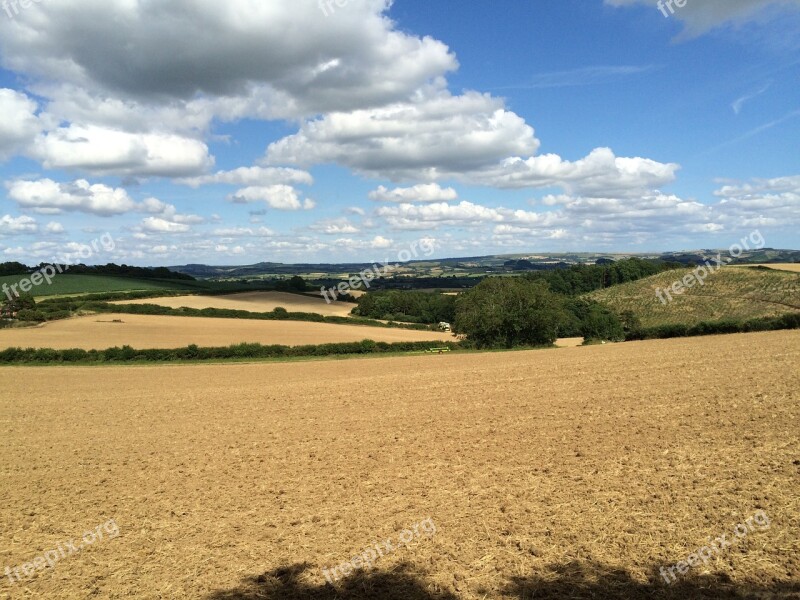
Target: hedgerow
127 354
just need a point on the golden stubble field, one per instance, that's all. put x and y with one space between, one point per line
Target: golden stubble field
253 302
793 267
149 331
568 473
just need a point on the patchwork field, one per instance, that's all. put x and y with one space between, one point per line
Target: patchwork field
254 302
148 331
569 473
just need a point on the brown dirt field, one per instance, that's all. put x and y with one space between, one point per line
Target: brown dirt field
150 331
253 302
571 473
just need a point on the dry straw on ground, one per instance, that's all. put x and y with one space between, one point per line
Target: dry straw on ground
148 331
254 302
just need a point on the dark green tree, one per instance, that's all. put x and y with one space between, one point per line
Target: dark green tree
510 311
595 321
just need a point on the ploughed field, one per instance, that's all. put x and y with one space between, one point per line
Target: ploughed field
149 331
568 473
253 302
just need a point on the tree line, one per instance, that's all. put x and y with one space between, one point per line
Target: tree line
111 269
582 279
409 307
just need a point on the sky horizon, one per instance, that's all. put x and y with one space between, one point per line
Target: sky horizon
334 131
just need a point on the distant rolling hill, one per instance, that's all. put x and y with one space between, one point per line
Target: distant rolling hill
67 284
731 293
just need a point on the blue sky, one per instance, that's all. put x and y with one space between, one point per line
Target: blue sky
293 130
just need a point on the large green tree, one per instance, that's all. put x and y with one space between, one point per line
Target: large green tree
510 311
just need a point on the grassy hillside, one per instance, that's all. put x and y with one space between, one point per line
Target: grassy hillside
66 284
730 293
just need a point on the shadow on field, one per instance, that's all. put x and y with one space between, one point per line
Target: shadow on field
582 581
286 583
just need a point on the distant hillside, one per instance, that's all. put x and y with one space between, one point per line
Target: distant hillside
474 266
69 284
730 293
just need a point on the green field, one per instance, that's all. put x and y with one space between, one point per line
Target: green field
728 294
66 284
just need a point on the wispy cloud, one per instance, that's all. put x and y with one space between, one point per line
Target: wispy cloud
753 132
740 102
582 76
703 16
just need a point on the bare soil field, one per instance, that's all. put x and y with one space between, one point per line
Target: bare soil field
571 473
150 331
253 302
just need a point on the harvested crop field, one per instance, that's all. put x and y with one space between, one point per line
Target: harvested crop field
569 473
148 331
793 267
253 302
569 342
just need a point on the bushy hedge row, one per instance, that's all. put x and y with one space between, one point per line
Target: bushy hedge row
195 353
279 314
109 297
788 321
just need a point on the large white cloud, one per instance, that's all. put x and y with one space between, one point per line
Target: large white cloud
761 203
471 138
601 173
260 176
107 151
50 197
46 196
432 136
19 124
288 54
17 225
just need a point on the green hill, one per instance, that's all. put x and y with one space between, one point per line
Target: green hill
728 294
66 284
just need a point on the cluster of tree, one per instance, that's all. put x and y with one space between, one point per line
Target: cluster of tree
517 311
410 307
20 307
195 353
15 302
526 265
581 279
13 268
295 284
424 283
510 311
